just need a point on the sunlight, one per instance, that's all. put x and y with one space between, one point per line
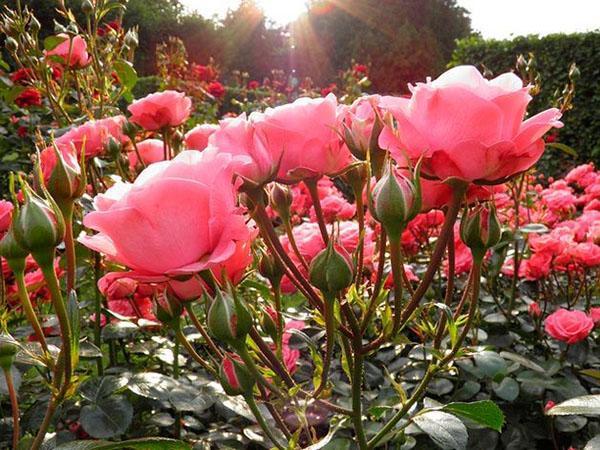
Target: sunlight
282 11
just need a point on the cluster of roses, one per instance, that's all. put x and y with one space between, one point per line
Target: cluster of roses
71 52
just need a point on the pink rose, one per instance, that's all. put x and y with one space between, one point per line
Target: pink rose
467 127
71 52
569 326
359 119
178 217
534 309
151 151
595 314
6 208
160 110
48 160
197 137
236 136
302 138
92 136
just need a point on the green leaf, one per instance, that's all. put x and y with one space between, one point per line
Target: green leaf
587 405
507 389
51 42
188 398
153 443
152 385
107 418
484 412
490 363
563 148
126 73
446 430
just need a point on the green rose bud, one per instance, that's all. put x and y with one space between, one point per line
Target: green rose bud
281 200
480 230
67 181
228 318
396 200
86 7
8 350
270 268
331 270
38 225
11 44
13 252
235 377
167 309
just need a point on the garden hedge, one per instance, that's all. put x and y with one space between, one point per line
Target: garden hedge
554 54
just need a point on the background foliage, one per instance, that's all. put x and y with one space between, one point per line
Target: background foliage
553 54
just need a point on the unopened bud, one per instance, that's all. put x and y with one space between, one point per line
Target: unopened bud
480 230
235 377
228 318
11 44
34 25
167 309
129 129
131 39
281 200
86 7
396 201
113 147
13 252
38 225
331 270
270 268
66 182
269 321
8 349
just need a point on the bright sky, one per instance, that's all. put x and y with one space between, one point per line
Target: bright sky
493 18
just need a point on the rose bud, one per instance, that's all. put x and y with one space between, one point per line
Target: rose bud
167 309
331 270
480 230
534 309
270 268
396 201
281 200
269 321
228 318
63 176
14 254
38 226
8 350
236 379
129 129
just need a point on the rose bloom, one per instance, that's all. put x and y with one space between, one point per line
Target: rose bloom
359 119
335 208
179 217
6 209
29 97
301 137
197 137
151 151
467 127
22 76
48 161
72 53
236 137
595 314
160 110
216 89
93 136
569 326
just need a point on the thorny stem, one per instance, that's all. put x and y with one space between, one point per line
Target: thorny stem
211 344
330 337
190 349
397 268
69 246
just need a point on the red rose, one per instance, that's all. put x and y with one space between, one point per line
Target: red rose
252 85
21 76
569 326
29 97
216 89
360 69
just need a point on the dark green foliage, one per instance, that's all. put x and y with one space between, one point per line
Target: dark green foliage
553 54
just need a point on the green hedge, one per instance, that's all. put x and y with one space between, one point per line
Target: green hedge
554 54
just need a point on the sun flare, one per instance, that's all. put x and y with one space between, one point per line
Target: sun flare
282 11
